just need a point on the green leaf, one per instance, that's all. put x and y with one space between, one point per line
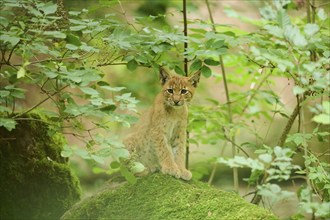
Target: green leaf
206 71
8 123
21 72
13 40
267 158
211 62
179 71
132 65
218 44
283 19
115 165
87 48
311 29
268 12
78 27
274 30
113 89
73 39
83 153
4 109
321 14
128 175
71 47
196 65
51 74
98 159
297 90
326 107
137 167
89 91
4 21
55 34
103 83
4 93
67 151
292 33
18 93
49 8
300 138
322 119
120 153
108 108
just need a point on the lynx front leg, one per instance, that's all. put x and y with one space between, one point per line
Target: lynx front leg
180 145
165 157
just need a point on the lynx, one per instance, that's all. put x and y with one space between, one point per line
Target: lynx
159 138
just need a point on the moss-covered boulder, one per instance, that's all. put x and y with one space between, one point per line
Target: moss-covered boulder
36 182
163 197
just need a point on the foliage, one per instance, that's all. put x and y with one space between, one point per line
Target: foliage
55 55
264 55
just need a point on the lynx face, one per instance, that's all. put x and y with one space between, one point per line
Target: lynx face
178 91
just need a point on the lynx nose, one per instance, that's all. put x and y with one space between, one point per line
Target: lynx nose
176 102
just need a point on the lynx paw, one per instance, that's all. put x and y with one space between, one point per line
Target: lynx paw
186 174
173 171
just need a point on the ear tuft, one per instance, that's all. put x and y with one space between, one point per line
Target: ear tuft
163 76
194 79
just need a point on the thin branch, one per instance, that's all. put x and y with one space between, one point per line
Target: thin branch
185 67
185 33
124 14
12 51
299 115
258 88
234 144
55 59
41 102
308 10
229 110
215 165
288 125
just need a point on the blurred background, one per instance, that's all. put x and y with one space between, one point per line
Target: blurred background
143 84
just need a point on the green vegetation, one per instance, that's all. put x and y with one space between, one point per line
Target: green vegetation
36 182
162 197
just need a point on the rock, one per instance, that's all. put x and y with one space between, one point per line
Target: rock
161 196
36 182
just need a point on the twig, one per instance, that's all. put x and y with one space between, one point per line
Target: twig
12 51
185 67
124 14
289 124
229 111
254 94
38 104
233 143
55 59
308 10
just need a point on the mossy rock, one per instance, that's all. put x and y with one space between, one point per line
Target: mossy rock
36 182
163 197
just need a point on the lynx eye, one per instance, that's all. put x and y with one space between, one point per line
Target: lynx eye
184 91
170 91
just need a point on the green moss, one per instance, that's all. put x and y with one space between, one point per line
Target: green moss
36 182
163 197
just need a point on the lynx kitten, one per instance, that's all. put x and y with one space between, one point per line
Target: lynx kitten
159 138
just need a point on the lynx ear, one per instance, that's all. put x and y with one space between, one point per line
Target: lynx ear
194 79
163 76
